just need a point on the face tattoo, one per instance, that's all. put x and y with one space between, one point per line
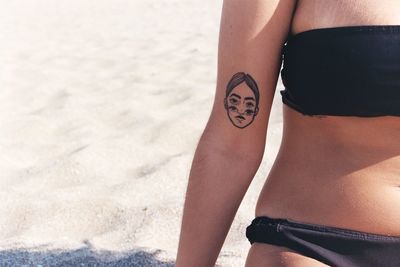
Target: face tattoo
241 99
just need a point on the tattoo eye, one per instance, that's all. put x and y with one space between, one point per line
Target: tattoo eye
249 104
232 108
249 112
234 101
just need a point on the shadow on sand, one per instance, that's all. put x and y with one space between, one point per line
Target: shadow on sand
83 257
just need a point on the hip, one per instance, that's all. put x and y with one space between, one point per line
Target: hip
366 200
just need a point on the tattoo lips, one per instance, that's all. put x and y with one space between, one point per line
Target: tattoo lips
241 99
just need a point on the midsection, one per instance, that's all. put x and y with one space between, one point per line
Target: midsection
337 171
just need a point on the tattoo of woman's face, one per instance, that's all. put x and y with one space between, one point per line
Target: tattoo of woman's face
241 99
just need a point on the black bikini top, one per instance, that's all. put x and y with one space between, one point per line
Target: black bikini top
343 71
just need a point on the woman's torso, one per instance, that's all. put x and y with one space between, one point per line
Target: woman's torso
335 170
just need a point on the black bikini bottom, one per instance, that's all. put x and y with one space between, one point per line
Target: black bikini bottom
330 245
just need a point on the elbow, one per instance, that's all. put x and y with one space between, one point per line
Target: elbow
246 152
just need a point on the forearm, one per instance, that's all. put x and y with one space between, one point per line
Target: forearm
217 184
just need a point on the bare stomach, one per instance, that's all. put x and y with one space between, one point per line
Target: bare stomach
336 171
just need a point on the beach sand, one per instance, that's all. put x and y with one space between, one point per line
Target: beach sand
102 104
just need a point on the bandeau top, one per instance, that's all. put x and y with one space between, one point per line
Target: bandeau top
343 71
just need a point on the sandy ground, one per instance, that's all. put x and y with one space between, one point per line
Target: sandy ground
102 104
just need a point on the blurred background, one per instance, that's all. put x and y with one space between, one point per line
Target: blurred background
102 104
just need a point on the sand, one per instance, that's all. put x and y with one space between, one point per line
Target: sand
102 104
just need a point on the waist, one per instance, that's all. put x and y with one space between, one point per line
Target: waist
367 200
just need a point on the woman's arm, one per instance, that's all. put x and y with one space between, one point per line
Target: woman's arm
230 150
